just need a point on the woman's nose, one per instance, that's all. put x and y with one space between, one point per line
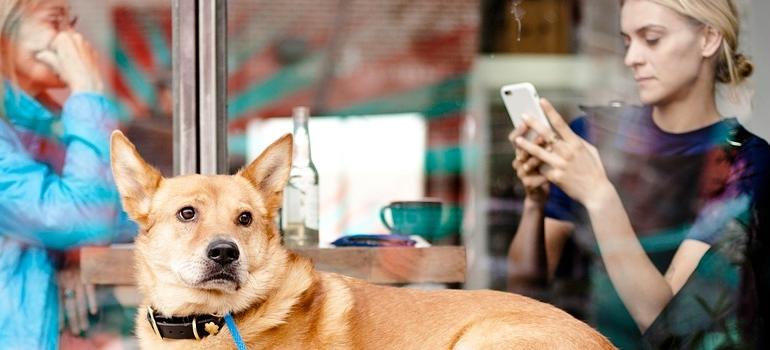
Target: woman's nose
633 56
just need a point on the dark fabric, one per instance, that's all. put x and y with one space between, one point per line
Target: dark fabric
709 185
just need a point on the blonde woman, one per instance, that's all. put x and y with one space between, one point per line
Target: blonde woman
55 187
675 223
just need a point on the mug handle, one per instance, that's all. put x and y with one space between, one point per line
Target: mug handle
383 219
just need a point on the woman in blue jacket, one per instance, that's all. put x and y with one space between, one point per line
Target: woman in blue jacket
56 191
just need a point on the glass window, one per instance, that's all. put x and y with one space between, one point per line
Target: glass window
405 105
444 63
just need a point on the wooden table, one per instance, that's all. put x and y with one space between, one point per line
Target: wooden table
114 265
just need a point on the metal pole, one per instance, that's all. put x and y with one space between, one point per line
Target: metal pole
212 80
184 80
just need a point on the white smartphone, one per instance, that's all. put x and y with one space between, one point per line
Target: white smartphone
522 98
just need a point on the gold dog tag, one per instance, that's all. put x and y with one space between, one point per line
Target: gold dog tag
212 328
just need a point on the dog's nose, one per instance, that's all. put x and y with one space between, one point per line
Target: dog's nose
223 252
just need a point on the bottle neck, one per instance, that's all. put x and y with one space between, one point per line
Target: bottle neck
301 142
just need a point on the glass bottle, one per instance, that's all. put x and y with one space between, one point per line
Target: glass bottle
299 216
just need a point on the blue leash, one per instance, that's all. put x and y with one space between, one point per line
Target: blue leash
234 331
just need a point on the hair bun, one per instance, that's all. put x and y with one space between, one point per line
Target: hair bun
743 66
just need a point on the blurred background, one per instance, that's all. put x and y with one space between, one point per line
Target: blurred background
404 97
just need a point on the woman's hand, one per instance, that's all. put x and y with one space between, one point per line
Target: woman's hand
75 60
526 167
568 161
77 299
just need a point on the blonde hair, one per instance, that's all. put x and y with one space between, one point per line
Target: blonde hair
732 67
11 12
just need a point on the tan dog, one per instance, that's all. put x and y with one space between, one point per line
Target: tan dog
208 246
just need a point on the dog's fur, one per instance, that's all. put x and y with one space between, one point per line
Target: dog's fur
277 298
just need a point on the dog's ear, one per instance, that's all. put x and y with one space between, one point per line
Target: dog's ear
270 171
137 181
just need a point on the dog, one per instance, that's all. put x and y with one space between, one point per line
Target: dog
208 249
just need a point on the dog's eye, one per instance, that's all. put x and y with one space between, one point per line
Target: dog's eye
186 214
245 218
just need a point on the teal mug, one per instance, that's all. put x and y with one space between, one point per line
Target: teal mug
422 218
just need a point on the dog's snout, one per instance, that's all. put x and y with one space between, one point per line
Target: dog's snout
223 252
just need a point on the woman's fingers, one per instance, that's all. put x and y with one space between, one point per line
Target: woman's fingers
64 44
58 55
531 164
520 131
557 122
50 58
542 130
77 61
71 311
77 300
526 168
93 307
547 137
535 150
534 181
519 153
81 307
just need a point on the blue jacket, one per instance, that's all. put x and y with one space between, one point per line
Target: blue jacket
44 208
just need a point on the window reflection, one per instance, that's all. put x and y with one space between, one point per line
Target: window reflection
433 70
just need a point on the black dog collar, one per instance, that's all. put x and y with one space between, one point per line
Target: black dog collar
187 327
